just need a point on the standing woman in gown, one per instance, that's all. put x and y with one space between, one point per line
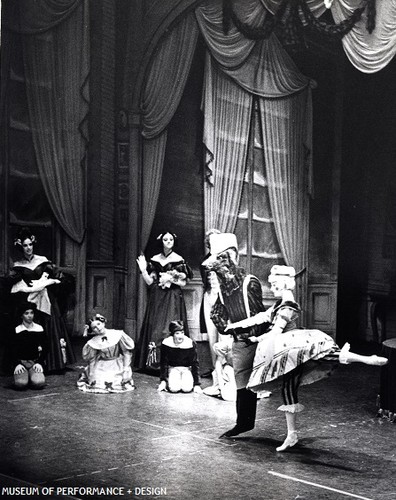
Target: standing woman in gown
165 274
35 279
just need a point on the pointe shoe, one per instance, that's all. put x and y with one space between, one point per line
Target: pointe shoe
343 357
235 431
291 440
377 360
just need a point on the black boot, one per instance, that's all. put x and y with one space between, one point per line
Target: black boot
246 405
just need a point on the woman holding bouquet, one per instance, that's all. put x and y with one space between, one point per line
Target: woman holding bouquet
165 275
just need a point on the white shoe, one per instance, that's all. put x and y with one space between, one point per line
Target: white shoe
377 360
373 360
213 390
291 440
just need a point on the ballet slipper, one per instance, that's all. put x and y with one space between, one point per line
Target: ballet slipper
344 355
290 441
346 358
377 360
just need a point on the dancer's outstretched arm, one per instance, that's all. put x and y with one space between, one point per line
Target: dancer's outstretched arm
258 319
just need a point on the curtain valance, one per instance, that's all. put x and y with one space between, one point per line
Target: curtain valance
261 67
36 16
368 52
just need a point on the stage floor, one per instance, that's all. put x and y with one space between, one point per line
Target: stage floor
161 445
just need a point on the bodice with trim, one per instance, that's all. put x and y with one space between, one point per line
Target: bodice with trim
287 310
160 264
32 270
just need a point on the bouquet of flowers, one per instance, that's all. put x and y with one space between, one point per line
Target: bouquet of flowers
152 355
172 277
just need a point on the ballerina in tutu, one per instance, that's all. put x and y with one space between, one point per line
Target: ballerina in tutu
296 356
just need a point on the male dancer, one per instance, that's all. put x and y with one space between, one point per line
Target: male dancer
240 297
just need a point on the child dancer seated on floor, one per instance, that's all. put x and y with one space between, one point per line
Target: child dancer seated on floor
30 349
292 355
179 369
109 356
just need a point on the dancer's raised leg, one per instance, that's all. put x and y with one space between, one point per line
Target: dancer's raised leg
346 357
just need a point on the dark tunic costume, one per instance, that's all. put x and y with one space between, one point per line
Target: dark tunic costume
240 303
29 346
184 355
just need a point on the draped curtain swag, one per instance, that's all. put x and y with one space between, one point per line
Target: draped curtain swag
260 67
37 16
369 53
264 69
57 68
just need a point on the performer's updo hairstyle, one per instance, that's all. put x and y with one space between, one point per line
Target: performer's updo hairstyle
26 306
23 234
176 326
161 235
96 317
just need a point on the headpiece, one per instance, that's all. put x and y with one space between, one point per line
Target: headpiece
221 242
208 235
281 272
24 233
97 317
176 326
160 236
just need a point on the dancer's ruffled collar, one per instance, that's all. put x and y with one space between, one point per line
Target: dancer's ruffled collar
109 339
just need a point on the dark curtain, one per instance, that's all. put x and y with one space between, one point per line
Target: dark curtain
36 16
55 36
